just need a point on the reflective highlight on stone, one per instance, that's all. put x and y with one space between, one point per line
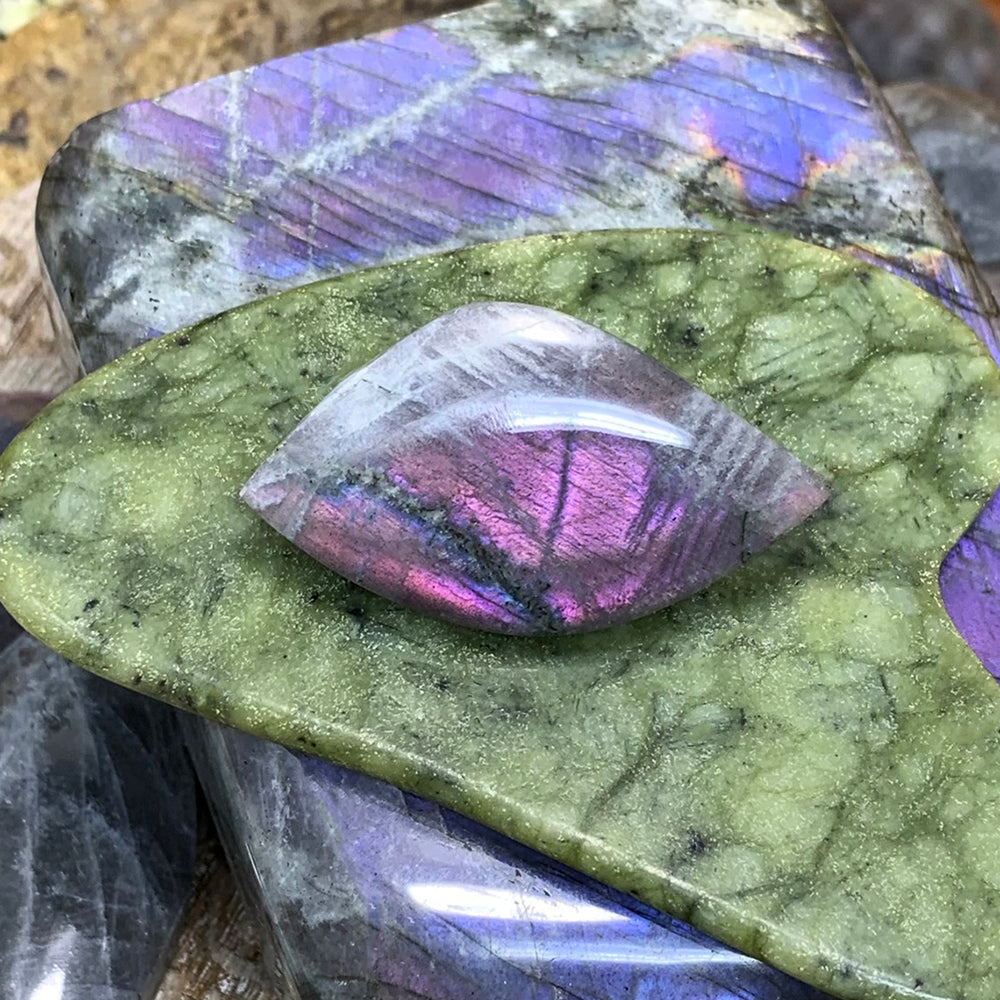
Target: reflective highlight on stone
511 468
366 884
207 243
508 119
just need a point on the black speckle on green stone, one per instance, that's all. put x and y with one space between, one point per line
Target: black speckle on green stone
215 591
183 340
214 704
357 612
697 843
91 604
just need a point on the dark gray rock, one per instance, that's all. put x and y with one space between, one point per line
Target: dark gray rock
954 42
97 809
957 135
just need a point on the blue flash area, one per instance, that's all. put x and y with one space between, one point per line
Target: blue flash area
775 116
527 925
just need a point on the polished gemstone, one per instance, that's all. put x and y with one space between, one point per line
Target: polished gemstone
97 819
787 758
507 119
97 823
366 884
203 253
511 468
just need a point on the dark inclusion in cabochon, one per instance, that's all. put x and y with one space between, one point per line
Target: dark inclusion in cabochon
510 468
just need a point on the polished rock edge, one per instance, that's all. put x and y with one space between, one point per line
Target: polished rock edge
97 824
374 892
957 134
507 119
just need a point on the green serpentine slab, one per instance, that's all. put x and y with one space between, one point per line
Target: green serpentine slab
804 759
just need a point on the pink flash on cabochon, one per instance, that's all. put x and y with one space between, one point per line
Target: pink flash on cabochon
511 468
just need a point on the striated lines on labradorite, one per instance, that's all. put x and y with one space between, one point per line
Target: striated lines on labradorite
486 563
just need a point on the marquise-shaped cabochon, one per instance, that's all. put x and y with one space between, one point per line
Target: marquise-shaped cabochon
511 468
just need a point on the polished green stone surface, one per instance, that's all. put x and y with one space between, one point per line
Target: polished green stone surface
804 759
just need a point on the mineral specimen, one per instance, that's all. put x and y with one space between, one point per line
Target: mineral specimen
368 885
97 804
799 753
510 468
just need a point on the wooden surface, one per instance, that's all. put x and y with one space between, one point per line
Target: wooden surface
15 14
219 953
73 62
37 354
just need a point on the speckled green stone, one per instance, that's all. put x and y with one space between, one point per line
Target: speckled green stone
804 759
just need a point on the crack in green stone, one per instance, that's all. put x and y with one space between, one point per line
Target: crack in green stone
804 759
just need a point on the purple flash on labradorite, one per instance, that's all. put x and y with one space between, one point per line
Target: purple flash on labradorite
511 468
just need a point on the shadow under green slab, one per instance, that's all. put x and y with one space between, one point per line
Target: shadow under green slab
803 760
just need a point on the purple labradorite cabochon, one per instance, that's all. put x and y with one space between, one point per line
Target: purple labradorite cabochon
510 468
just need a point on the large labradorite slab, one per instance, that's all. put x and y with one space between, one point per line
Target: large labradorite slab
803 760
